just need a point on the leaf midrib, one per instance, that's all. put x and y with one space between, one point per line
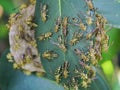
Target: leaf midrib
60 9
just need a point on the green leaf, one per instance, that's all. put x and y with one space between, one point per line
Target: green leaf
70 9
110 9
11 79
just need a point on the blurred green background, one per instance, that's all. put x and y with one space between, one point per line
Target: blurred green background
110 63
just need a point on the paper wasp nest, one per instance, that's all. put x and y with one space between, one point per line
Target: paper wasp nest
23 45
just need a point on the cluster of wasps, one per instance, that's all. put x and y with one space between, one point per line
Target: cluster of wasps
87 59
83 73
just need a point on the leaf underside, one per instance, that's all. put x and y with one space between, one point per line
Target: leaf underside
62 8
